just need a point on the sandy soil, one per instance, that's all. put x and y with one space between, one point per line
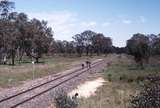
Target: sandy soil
88 88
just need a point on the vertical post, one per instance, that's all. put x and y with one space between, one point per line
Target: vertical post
33 72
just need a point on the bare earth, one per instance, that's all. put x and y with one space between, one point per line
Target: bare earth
88 88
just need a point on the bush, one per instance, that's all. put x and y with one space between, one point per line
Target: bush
110 77
64 101
123 77
130 80
139 79
149 97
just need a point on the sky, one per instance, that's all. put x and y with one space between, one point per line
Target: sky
118 19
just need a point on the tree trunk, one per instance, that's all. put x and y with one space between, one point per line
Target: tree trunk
21 55
13 57
37 59
141 65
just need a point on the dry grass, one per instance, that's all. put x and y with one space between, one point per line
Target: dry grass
116 93
14 75
110 95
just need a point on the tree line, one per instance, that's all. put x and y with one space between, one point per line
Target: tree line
87 42
21 37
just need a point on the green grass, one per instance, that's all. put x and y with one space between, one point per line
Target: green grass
129 73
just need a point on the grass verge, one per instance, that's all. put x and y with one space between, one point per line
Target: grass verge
123 79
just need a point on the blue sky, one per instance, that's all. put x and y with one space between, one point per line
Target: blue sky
118 19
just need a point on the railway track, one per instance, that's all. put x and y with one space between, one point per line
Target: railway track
30 94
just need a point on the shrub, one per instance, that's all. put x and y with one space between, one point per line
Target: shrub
110 77
123 77
130 80
64 101
149 97
139 79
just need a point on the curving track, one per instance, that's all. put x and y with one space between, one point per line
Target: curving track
25 96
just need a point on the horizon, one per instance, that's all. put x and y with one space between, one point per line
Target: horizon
116 19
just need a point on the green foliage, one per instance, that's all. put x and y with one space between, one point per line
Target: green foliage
92 42
20 36
122 78
5 7
109 77
123 73
64 101
138 46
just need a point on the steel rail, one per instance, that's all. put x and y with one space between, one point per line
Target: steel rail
28 90
32 97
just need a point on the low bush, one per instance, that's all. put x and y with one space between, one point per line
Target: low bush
109 77
122 78
149 97
64 101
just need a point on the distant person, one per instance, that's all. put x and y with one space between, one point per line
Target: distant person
88 63
75 96
82 65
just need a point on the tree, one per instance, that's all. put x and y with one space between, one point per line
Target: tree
101 43
5 7
87 40
84 42
59 48
106 45
79 43
119 50
138 46
97 43
92 42
69 48
154 44
8 32
20 35
41 38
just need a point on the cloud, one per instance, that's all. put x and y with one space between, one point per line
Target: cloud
62 22
90 24
127 21
65 24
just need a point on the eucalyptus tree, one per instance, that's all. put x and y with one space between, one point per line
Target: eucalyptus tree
6 7
22 26
154 44
87 38
9 35
101 43
40 38
9 31
79 43
138 46
59 47
84 42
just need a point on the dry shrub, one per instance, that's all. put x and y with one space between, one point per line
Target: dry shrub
65 101
149 97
